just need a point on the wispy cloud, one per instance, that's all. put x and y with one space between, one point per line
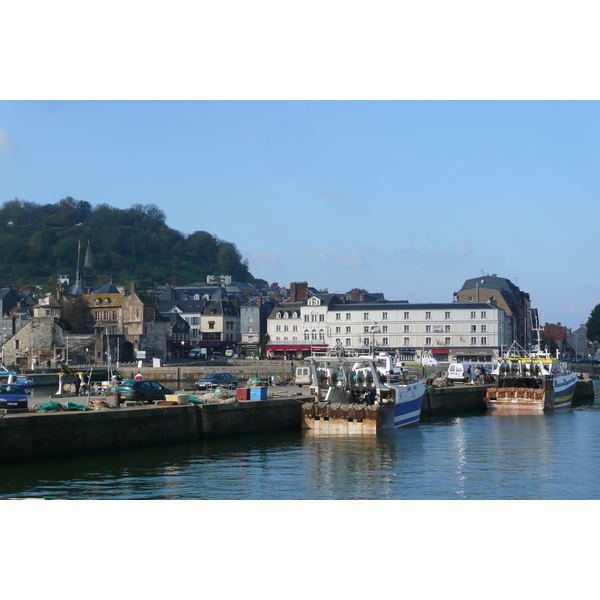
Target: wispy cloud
351 259
265 258
8 147
331 196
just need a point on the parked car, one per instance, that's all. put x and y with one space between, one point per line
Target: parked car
142 390
213 380
13 396
196 354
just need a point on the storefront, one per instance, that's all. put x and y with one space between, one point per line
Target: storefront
292 352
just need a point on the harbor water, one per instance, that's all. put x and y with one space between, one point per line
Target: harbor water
476 457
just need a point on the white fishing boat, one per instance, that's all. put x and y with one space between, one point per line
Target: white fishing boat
530 382
360 394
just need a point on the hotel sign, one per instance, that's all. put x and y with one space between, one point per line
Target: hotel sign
250 338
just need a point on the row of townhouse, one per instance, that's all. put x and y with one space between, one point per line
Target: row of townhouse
109 325
451 331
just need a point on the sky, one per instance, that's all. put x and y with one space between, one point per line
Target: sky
408 192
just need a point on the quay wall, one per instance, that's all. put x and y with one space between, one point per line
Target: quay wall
39 435
454 399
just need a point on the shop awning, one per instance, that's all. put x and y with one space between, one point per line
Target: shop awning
439 351
296 348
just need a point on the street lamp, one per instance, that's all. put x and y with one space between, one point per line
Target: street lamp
374 328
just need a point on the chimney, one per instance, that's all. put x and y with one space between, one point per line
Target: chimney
355 295
298 291
132 288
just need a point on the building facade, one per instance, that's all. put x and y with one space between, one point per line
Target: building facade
451 331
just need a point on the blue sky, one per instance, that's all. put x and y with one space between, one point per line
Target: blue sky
402 149
408 198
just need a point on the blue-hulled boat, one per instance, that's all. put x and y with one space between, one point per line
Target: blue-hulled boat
360 394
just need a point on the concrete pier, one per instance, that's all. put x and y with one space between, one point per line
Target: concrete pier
37 435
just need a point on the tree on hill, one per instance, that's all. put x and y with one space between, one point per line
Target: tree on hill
133 244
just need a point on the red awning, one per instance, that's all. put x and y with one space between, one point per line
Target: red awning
439 351
296 348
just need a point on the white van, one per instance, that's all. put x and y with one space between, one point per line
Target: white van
302 376
459 372
196 354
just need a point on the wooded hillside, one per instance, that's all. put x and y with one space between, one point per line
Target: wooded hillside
37 242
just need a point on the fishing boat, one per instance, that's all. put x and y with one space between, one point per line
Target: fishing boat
365 394
530 382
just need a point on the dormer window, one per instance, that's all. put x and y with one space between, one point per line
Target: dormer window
294 315
286 315
97 302
278 315
105 301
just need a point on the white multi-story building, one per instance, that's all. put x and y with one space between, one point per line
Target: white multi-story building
451 331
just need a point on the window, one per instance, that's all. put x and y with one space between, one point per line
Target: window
313 318
483 328
338 330
338 341
348 316
277 327
366 329
211 325
406 315
348 342
427 328
470 298
406 328
447 328
365 316
306 336
16 344
106 315
427 314
484 341
286 327
321 318
428 341
114 315
447 314
484 314
384 316
384 329
447 341
306 318
313 335
338 316
384 341
473 314
473 341
366 342
406 341
322 335
294 315
348 329
473 328
279 315
195 320
294 327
